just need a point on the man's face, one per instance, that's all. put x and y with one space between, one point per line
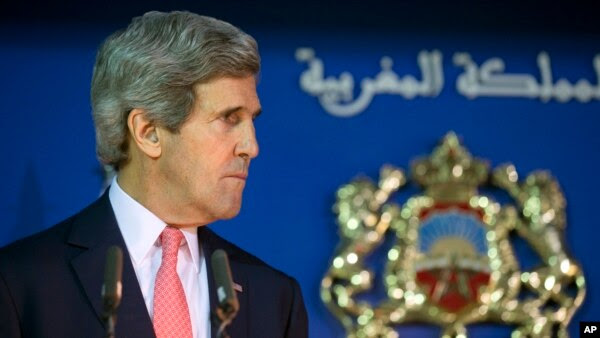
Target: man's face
205 165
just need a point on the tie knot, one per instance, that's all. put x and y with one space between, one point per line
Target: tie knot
170 240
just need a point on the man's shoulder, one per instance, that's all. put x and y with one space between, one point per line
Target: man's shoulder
33 261
46 244
278 295
34 246
244 260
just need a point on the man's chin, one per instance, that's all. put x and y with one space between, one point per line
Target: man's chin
230 212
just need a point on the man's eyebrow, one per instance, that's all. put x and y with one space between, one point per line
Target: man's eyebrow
232 110
228 111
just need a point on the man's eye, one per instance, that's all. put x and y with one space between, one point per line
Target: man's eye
230 118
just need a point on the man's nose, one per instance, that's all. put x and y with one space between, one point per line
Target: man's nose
248 145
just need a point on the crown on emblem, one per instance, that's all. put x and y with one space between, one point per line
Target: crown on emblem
450 172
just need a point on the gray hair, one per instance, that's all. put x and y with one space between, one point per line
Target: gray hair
154 65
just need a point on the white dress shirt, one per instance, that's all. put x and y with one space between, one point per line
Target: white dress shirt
141 230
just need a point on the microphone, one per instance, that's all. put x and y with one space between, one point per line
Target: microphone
227 302
111 288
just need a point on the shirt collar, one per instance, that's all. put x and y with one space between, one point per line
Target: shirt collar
141 228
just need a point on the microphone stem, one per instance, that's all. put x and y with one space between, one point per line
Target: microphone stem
110 326
222 324
221 333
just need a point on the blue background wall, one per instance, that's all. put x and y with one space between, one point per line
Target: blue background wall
49 169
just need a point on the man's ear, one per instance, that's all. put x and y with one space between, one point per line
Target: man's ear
144 133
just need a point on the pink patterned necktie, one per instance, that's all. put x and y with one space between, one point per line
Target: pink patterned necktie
171 314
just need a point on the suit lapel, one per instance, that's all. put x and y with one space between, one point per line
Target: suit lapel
209 242
94 230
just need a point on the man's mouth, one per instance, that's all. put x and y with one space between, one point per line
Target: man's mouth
241 176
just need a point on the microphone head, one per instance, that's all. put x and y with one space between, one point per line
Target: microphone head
228 304
111 289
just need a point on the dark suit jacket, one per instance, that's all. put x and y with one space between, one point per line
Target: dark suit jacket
50 285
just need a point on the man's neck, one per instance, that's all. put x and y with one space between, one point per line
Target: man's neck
144 186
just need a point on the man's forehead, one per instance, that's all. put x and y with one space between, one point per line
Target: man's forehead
227 94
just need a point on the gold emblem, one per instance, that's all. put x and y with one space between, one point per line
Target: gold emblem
452 262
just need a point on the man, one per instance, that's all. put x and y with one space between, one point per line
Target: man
174 100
